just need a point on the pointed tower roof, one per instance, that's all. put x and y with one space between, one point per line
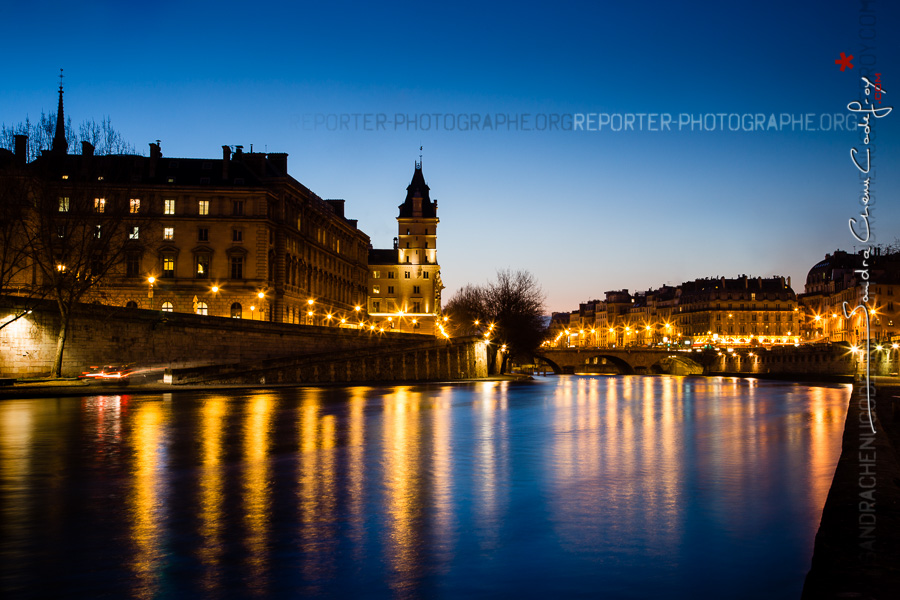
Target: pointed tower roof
60 145
417 188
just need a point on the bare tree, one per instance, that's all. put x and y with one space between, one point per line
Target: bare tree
103 136
78 234
510 310
16 292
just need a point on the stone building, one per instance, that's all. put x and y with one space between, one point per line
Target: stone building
234 236
404 283
857 279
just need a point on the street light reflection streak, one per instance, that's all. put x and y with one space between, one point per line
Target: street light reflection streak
213 415
318 502
257 489
144 506
402 485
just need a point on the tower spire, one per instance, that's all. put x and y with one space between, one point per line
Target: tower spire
60 145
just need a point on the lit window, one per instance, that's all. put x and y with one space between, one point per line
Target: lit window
376 274
64 204
169 233
203 207
167 307
202 266
376 289
135 233
97 231
236 310
169 207
202 308
376 306
168 266
134 205
99 205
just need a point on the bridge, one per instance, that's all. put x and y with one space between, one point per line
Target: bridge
625 361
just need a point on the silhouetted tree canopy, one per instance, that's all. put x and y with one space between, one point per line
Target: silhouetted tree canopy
513 303
103 136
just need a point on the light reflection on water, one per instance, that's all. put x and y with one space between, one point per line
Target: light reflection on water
627 486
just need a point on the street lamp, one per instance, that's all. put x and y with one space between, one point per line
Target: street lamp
252 308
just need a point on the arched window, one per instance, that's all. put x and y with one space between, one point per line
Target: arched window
131 304
167 307
236 310
202 308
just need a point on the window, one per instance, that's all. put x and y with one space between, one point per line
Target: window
167 307
99 205
131 304
202 270
425 275
236 310
203 207
417 307
168 266
135 233
376 289
237 267
64 204
97 231
168 233
376 306
237 208
390 274
169 207
390 289
134 205
406 273
376 274
202 308
203 234
132 265
61 231
416 290
237 235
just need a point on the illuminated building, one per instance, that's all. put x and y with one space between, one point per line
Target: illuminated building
405 281
842 277
234 236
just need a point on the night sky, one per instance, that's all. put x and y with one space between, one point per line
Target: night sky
585 211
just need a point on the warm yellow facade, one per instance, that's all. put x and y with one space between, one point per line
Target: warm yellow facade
404 284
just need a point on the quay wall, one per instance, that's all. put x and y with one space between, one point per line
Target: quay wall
108 335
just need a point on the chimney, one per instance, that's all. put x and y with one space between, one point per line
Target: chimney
337 206
238 152
155 154
87 148
789 281
21 148
279 161
226 158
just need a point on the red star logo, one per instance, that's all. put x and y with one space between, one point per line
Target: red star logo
844 61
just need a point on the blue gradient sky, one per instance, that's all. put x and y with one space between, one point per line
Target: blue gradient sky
585 211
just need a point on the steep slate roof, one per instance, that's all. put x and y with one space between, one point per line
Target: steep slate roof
417 188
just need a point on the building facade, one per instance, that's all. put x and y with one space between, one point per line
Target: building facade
234 236
404 282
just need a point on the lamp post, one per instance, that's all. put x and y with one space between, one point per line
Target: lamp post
309 312
252 308
215 292
150 281
262 297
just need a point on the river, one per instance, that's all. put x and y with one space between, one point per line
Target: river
568 486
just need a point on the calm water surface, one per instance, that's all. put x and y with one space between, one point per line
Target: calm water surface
625 487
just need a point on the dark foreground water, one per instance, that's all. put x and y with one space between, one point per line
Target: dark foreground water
626 487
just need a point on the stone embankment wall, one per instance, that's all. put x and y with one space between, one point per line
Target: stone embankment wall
107 335
425 361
